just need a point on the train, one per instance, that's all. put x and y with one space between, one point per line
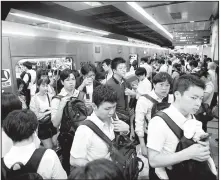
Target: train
24 42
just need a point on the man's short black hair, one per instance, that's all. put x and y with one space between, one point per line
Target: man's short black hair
66 73
141 71
85 69
116 61
20 124
193 63
162 77
10 102
107 61
104 93
184 82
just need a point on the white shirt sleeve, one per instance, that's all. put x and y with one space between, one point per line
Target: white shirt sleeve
50 166
25 78
81 142
156 134
54 107
143 108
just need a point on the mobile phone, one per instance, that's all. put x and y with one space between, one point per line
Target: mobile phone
87 96
205 137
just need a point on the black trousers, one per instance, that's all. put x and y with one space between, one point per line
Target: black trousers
65 140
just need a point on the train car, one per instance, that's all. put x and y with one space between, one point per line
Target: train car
27 43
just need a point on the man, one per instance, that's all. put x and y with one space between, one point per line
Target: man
144 85
212 72
29 79
87 146
57 106
20 126
123 89
144 63
162 142
161 86
106 64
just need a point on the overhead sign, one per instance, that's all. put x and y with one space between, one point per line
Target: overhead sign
191 37
6 78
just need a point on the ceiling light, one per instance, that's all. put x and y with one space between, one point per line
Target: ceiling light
191 21
93 3
61 24
147 16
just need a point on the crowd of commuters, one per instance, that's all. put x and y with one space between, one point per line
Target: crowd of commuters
184 81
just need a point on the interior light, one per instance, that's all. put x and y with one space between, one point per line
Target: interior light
191 21
61 24
93 3
18 33
147 16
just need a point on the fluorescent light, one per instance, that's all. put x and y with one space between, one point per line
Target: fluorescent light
18 33
61 24
191 21
147 16
93 3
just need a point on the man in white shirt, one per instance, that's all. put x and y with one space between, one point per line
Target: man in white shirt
162 142
20 126
144 85
106 64
29 79
161 82
87 146
144 63
212 71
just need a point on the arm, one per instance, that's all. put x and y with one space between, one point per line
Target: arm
207 92
158 159
142 108
34 106
57 107
79 148
25 78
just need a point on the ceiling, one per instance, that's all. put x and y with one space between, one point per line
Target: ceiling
120 18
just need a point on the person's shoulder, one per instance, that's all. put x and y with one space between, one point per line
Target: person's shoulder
49 156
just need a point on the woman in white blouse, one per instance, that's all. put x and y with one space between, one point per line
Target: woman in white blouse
41 106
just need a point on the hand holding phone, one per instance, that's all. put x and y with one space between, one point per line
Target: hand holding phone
204 137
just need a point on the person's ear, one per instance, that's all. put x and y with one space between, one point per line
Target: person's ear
177 95
94 106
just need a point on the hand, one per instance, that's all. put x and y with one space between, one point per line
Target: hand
129 92
132 134
144 151
120 126
198 152
64 101
87 81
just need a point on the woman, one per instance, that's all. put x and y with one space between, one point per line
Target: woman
41 106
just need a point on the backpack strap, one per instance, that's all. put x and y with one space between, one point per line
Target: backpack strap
172 125
154 101
58 97
35 159
81 95
97 130
103 136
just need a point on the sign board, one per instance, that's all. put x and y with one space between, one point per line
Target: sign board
191 38
6 78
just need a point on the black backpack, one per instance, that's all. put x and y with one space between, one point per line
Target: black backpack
74 113
157 106
25 172
190 169
122 151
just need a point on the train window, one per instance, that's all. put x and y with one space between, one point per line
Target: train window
28 70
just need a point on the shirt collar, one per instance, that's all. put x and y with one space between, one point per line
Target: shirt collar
65 93
177 116
153 95
116 81
93 117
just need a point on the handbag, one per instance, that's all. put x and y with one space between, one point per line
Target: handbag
204 112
